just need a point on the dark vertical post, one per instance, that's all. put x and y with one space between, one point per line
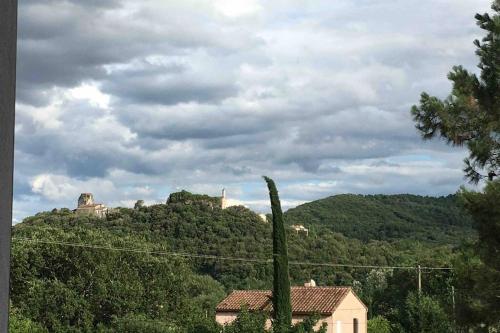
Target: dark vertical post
453 304
419 280
419 269
8 43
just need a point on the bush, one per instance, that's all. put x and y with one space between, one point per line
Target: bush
379 324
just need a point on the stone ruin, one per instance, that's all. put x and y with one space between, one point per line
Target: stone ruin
87 206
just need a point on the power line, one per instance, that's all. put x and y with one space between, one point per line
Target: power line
217 257
132 250
366 266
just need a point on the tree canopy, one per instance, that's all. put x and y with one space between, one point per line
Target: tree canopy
66 277
470 115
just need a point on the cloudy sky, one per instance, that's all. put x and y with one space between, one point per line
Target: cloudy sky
137 99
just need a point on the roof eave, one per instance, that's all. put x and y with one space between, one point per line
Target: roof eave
298 313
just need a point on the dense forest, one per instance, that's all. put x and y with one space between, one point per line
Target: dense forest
388 217
165 267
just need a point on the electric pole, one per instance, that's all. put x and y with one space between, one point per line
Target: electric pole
453 305
419 270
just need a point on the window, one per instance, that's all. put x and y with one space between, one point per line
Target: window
355 325
339 326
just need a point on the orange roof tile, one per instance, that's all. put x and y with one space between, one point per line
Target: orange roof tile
305 300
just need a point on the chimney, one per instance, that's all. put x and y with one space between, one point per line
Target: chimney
310 283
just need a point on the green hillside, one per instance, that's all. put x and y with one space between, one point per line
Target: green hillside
136 267
387 217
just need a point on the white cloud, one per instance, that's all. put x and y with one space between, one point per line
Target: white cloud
60 188
91 93
132 100
235 8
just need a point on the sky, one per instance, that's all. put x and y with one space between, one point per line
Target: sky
138 99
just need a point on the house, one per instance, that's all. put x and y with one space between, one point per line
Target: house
300 228
86 206
338 307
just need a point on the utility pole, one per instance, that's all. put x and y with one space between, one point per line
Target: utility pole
453 305
453 297
419 270
8 43
419 297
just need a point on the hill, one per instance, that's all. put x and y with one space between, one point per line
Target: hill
438 220
167 265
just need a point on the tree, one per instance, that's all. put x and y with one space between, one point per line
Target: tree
484 288
485 210
51 283
471 114
58 308
477 301
374 284
379 324
281 280
426 315
133 323
307 326
20 324
247 322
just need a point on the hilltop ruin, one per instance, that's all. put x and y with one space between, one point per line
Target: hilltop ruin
87 206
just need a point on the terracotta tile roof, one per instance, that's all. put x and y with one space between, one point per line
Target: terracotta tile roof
252 299
305 300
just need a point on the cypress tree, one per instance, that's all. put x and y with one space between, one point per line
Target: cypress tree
281 279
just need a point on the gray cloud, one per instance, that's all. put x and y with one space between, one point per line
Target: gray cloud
136 99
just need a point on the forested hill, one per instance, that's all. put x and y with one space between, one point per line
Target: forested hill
387 217
148 266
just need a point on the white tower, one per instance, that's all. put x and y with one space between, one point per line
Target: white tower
223 199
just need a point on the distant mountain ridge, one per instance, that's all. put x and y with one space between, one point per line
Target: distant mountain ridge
387 217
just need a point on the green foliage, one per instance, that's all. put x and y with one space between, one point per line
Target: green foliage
141 324
74 288
282 305
478 268
21 324
56 306
247 322
386 217
485 210
425 314
185 197
100 288
255 322
379 324
307 326
475 291
471 114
